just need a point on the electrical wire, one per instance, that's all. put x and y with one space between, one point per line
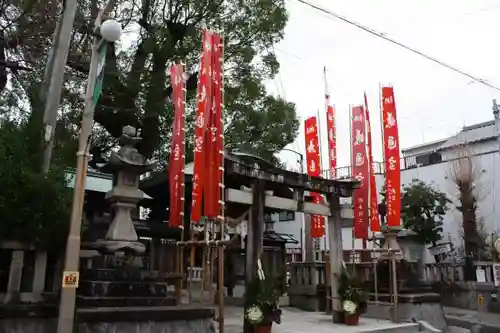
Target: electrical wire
397 43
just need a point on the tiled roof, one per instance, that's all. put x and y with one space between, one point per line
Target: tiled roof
470 134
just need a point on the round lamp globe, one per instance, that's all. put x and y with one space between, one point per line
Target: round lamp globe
111 30
497 245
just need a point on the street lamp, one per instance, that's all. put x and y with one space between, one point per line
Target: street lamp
497 246
110 32
300 160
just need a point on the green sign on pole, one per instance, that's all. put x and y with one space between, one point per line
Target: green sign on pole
100 74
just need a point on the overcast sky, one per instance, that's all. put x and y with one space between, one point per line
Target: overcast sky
432 102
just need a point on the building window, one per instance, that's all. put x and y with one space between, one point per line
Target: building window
286 216
428 159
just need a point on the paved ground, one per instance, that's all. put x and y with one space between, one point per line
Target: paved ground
490 322
297 321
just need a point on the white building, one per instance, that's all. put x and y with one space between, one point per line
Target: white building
432 163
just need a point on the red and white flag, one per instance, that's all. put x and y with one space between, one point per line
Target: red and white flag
213 201
201 125
360 171
391 154
374 218
208 170
314 169
177 154
332 140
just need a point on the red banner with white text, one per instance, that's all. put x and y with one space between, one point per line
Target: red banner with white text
176 165
391 155
201 125
332 141
374 218
314 169
213 203
360 171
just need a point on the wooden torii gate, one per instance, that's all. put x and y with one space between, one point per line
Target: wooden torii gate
258 177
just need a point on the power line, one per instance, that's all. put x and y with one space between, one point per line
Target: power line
395 42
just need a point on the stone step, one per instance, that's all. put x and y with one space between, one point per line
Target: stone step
89 302
147 314
123 289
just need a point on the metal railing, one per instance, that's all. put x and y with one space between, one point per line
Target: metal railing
409 162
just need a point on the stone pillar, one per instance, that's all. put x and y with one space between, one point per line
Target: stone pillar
40 271
254 237
16 271
336 255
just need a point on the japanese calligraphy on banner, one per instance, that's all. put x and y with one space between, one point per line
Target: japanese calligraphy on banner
208 169
332 141
314 169
374 218
360 170
201 125
213 200
177 154
391 154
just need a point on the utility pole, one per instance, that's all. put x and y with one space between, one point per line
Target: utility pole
54 77
94 84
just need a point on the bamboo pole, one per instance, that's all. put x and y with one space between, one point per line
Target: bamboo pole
204 260
221 244
394 287
191 267
353 240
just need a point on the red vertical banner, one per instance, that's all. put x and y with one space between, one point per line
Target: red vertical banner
201 125
374 218
213 202
360 169
177 154
332 141
391 154
314 169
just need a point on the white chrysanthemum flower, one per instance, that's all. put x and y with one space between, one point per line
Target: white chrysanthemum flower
254 314
349 307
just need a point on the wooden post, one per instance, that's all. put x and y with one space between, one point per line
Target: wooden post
220 282
309 240
254 237
335 243
326 259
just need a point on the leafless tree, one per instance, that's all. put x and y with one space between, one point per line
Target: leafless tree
465 174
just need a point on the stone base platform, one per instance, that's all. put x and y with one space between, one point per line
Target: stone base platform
297 321
188 319
411 308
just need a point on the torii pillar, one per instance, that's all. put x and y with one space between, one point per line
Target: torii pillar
336 255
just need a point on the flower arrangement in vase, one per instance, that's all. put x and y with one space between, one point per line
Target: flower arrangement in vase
262 297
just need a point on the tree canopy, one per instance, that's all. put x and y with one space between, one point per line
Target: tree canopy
136 82
34 207
423 209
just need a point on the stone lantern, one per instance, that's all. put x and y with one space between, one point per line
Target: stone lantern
127 166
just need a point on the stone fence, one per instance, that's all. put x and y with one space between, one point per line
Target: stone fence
308 290
454 271
26 274
479 294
